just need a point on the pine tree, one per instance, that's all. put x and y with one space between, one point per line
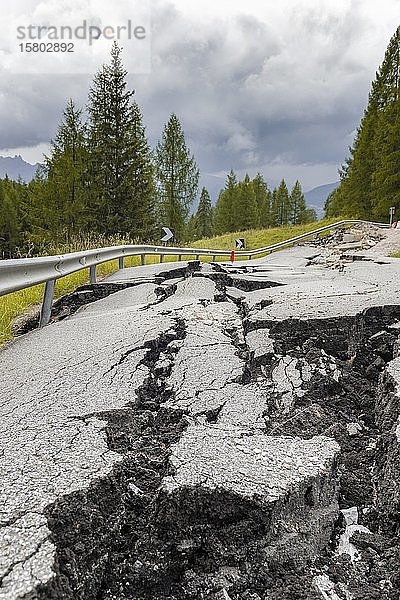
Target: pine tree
177 177
226 207
65 191
204 216
246 214
263 201
298 205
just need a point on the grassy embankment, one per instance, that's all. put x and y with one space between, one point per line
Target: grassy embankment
15 304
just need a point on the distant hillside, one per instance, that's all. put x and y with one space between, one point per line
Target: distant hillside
16 167
316 197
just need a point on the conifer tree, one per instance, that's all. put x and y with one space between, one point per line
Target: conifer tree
246 214
204 216
281 205
9 226
263 201
120 173
65 190
191 229
177 177
141 218
225 209
370 177
298 205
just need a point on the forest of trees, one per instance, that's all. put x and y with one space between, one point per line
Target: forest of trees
370 177
249 204
103 179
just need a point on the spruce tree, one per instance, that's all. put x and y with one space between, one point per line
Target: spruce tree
281 205
141 217
120 174
65 191
246 214
226 207
191 230
204 216
298 205
177 177
263 201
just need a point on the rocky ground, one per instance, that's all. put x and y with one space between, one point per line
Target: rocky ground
192 431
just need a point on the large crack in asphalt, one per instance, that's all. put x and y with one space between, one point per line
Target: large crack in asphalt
192 510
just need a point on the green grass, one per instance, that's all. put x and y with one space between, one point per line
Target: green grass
259 238
13 305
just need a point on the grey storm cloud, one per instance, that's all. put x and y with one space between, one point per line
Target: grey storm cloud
249 91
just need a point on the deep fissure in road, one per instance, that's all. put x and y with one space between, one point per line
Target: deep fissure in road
125 538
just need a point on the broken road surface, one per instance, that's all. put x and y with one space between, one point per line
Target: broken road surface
217 431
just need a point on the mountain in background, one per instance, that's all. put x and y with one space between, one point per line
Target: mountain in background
316 197
15 167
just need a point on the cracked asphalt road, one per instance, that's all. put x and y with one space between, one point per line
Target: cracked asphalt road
57 383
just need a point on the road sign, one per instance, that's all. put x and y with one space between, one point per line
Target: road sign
167 234
240 243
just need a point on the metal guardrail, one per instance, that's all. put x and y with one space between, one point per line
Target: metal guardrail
18 274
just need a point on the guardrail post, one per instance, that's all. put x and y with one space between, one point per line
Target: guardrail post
121 262
179 257
161 258
143 259
214 259
93 277
197 256
45 313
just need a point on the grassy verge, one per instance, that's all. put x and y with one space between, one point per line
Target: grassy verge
258 238
15 304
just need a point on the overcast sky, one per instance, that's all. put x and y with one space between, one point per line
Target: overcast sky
272 86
